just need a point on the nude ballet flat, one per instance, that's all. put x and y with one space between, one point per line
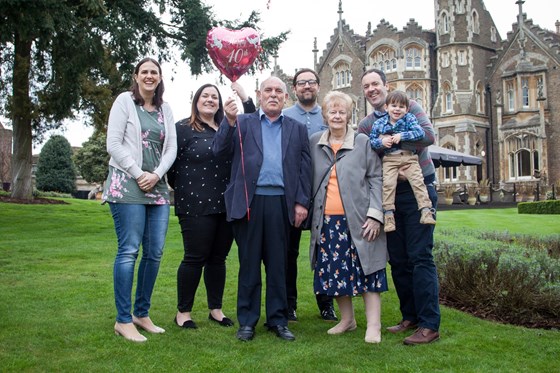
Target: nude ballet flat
339 329
147 324
129 332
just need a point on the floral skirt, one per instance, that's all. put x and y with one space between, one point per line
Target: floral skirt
338 271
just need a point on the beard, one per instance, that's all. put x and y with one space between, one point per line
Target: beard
307 100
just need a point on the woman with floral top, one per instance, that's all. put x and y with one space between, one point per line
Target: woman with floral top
142 143
199 180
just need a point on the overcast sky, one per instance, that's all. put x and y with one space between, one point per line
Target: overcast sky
307 19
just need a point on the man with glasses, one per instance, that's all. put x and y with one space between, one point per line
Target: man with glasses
307 111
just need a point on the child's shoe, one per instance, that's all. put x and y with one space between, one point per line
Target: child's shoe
427 217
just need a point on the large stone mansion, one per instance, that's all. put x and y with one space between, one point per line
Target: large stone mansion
495 98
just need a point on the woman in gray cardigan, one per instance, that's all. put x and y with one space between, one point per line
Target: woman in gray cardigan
142 143
348 248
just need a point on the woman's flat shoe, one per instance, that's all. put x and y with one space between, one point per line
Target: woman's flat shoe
129 332
189 324
225 321
339 329
147 324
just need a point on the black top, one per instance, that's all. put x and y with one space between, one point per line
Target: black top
198 178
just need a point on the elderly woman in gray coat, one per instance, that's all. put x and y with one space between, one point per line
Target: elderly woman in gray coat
348 248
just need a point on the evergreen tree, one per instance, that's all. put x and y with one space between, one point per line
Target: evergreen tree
92 160
61 57
55 169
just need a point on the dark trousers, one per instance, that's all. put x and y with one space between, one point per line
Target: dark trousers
206 240
323 300
262 239
412 264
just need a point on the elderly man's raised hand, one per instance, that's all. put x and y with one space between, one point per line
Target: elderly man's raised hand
230 108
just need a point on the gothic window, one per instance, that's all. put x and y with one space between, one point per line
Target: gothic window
415 92
447 99
525 92
462 57
475 22
385 59
493 36
445 60
354 120
510 96
524 156
343 75
460 9
413 58
479 98
444 23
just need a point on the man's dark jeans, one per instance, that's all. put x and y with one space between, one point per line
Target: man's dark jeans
412 264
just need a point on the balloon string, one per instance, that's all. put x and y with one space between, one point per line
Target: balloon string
243 172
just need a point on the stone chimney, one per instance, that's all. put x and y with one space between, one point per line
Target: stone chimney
557 24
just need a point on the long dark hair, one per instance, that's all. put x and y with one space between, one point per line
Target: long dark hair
195 120
157 100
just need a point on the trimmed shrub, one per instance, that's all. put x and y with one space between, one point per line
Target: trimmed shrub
539 207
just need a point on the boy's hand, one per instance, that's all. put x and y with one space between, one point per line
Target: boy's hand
387 141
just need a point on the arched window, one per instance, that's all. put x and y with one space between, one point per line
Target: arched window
444 23
416 93
342 74
510 96
413 58
445 59
523 155
479 98
475 21
447 98
493 36
354 120
386 58
460 7
525 92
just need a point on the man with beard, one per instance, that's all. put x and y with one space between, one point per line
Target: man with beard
307 111
410 245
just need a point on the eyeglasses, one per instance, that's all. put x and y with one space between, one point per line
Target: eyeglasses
302 83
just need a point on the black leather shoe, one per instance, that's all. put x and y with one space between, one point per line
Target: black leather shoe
282 332
245 333
224 322
189 324
328 313
292 314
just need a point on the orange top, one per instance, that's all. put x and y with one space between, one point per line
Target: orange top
333 203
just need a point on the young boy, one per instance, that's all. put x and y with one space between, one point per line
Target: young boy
387 134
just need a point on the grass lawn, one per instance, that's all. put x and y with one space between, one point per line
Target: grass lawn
57 311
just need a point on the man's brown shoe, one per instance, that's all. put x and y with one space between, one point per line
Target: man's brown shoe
422 336
403 326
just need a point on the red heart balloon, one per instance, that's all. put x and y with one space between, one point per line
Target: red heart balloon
233 51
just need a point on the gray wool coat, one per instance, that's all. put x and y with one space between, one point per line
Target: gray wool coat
358 171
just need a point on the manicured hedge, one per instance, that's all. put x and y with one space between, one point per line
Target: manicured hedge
539 207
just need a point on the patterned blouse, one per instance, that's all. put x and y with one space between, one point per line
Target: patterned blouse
123 188
197 176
